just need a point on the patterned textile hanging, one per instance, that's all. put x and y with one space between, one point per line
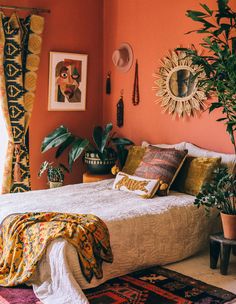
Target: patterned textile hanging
20 46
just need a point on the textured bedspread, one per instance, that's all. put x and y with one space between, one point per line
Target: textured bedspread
142 233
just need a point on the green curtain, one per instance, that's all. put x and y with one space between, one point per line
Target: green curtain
20 46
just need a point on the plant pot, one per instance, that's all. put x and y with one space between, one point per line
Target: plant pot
55 184
229 225
97 166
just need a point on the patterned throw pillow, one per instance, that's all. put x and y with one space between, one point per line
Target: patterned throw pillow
141 186
162 164
133 160
195 172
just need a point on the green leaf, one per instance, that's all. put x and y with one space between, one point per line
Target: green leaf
101 136
77 149
121 141
214 106
55 138
64 145
207 9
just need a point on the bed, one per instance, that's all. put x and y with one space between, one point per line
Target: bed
143 233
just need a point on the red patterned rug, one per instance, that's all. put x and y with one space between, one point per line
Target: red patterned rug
155 285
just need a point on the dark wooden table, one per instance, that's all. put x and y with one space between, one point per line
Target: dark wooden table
219 246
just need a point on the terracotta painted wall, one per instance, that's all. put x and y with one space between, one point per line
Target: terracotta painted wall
153 27
72 26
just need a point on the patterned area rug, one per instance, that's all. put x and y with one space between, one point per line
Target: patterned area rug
155 285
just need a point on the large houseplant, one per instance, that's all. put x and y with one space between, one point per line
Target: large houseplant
220 193
100 154
219 64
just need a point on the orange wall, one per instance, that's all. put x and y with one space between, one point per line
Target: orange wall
153 27
72 26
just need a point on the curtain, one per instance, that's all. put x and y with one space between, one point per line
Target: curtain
20 46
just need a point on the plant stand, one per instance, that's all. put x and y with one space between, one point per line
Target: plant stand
219 246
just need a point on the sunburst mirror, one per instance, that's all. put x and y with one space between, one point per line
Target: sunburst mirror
176 87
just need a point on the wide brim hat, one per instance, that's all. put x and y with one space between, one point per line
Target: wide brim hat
123 57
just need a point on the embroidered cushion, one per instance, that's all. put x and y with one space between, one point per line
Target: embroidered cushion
134 158
141 186
162 164
195 172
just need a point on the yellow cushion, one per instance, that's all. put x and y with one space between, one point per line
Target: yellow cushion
133 160
195 172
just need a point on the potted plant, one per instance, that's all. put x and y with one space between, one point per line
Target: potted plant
220 193
219 64
100 155
55 174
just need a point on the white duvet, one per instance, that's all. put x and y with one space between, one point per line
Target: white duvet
143 233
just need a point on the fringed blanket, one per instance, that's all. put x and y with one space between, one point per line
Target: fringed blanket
24 239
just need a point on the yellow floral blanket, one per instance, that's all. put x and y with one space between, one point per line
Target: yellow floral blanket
24 239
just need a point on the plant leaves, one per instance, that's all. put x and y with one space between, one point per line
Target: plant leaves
64 145
77 149
101 136
55 138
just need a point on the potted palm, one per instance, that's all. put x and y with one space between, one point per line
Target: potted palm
100 154
220 193
219 64
55 174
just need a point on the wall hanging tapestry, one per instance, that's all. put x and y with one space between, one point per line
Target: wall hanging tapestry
67 82
20 46
108 83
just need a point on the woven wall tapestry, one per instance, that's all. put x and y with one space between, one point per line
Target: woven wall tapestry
20 46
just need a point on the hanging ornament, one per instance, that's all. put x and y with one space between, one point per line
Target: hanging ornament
135 97
108 83
120 110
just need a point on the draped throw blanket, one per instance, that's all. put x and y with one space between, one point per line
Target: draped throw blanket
20 46
24 239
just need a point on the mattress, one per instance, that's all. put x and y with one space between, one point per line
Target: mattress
143 233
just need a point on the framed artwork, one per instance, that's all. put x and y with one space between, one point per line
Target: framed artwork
67 82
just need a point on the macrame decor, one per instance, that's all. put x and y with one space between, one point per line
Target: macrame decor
108 83
120 111
135 97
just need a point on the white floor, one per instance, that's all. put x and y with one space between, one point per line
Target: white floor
198 267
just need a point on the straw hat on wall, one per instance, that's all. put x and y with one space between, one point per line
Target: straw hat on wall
123 57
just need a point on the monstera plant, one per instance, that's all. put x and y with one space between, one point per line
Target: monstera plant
218 29
100 154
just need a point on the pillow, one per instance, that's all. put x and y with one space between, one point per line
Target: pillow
179 146
195 172
134 158
228 160
162 164
141 186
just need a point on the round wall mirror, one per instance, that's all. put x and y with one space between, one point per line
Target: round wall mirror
177 85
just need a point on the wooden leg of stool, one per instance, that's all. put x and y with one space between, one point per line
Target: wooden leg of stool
224 258
214 253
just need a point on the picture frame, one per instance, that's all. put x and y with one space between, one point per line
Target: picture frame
67 81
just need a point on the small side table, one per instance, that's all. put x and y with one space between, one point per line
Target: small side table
89 178
221 246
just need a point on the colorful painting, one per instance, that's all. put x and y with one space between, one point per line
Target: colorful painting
67 82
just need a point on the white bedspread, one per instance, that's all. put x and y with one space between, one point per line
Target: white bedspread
143 233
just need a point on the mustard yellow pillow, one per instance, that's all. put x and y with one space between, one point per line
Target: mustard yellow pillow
195 172
133 160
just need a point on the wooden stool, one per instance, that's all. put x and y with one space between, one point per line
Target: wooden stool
89 178
221 246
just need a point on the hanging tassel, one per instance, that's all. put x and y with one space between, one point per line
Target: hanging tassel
120 111
108 84
135 97
17 172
